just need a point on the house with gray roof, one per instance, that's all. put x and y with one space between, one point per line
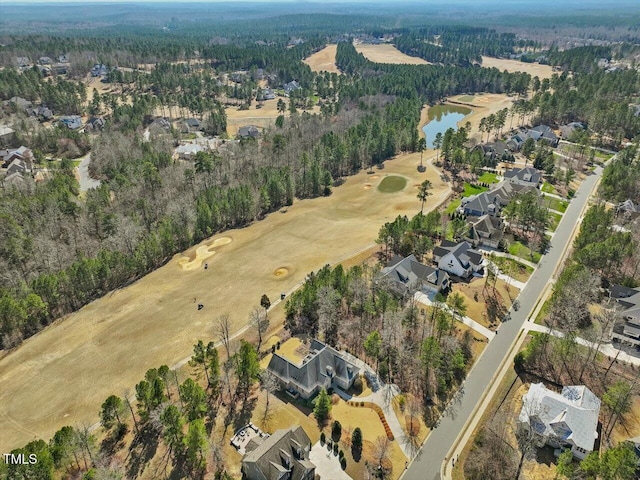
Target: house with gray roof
188 151
20 102
291 87
528 176
17 166
248 131
408 276
562 420
283 455
494 200
486 231
323 367
40 112
567 130
459 259
628 300
544 133
7 134
72 122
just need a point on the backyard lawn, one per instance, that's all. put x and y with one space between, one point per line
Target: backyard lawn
488 177
473 190
520 250
453 205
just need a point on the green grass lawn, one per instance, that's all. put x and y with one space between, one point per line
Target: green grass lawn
513 268
472 190
555 204
542 314
488 177
548 188
520 250
452 206
392 183
554 220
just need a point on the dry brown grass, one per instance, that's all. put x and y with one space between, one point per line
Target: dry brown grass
324 60
407 422
387 53
476 310
260 117
630 427
106 347
372 428
533 69
482 105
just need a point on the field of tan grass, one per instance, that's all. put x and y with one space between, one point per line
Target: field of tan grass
260 117
533 69
106 347
323 60
387 53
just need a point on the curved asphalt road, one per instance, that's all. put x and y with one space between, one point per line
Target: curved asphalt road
429 461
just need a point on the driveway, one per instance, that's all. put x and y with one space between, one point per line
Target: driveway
327 464
85 181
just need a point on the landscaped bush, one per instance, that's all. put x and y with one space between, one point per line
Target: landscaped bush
335 449
323 438
341 453
336 431
343 463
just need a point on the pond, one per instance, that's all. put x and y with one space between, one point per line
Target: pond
442 118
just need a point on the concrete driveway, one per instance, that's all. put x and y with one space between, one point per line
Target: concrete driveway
327 464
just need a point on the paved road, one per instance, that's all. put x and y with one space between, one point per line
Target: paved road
427 465
85 181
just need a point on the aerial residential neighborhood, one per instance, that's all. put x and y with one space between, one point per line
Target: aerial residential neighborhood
306 241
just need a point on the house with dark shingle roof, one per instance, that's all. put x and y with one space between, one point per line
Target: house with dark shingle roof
459 259
486 231
323 367
494 200
17 166
528 176
562 420
291 87
544 133
629 301
249 131
409 276
284 455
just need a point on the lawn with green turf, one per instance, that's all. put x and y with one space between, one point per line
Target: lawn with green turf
554 220
513 268
548 188
473 190
555 204
392 184
453 205
488 177
520 250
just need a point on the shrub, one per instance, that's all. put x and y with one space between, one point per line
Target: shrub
335 449
401 402
323 438
341 453
356 438
357 385
336 431
343 463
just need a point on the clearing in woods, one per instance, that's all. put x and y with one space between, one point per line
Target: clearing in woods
533 69
106 347
387 53
323 60
260 117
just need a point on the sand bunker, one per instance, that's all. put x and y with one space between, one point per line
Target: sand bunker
367 186
196 258
218 242
282 272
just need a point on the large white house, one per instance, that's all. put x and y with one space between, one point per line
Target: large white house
562 420
459 259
